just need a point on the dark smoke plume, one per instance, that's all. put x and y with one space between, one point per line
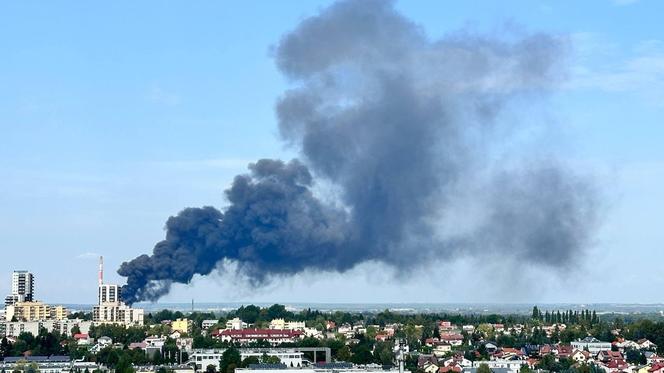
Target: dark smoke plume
399 124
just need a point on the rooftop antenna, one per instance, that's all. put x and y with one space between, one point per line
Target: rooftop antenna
101 270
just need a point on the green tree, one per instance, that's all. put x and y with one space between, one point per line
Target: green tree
344 354
483 368
635 357
536 313
124 365
230 360
362 355
248 361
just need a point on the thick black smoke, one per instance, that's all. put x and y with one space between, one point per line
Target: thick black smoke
398 124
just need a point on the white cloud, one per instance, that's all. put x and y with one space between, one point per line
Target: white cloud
603 65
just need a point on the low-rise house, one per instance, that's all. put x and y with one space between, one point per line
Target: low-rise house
623 345
450 369
359 329
653 358
430 367
207 324
593 345
102 342
314 333
491 348
545 350
457 359
452 339
645 344
345 329
390 329
508 353
531 350
426 358
441 349
244 336
382 337
656 368
83 339
606 356
564 351
138 346
236 324
617 366
105 341
580 356
468 328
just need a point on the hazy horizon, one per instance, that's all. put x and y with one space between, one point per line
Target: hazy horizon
111 124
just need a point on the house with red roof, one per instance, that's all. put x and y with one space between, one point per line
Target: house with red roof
454 368
656 368
453 339
382 337
83 339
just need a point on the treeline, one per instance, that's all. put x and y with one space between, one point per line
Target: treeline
44 343
585 317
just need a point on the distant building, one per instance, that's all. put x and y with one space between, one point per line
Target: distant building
592 345
327 368
182 326
35 311
111 309
47 364
207 324
236 324
204 357
272 336
109 293
23 287
281 324
65 327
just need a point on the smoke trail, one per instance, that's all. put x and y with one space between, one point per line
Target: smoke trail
391 118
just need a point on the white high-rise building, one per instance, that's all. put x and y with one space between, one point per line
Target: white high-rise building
110 309
23 287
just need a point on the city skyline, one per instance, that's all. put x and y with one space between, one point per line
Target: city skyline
99 153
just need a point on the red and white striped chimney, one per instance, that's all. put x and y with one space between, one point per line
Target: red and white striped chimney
101 270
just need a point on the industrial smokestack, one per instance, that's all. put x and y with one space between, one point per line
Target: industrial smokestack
408 131
101 270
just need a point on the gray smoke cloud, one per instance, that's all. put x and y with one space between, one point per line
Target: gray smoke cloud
398 124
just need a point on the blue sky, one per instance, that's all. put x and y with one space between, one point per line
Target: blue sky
115 116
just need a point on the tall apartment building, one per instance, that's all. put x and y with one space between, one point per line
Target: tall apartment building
109 294
110 309
23 287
